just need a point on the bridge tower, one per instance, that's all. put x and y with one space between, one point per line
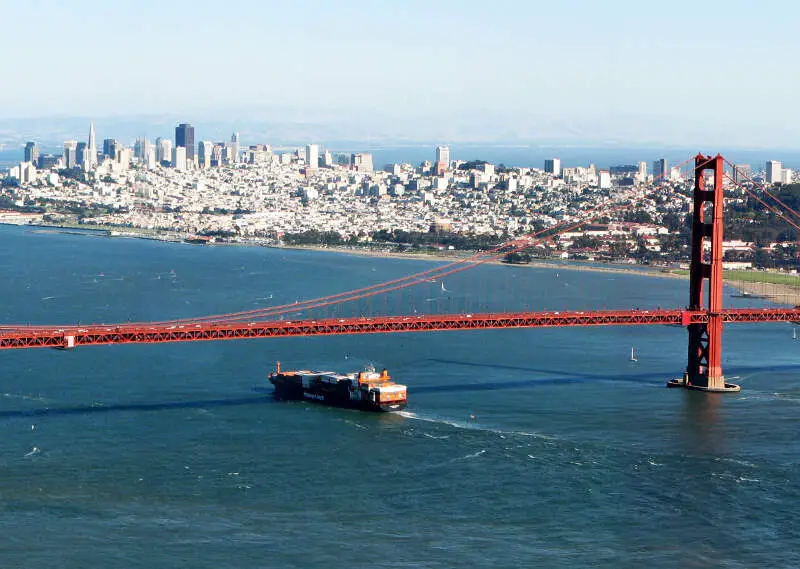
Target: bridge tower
704 368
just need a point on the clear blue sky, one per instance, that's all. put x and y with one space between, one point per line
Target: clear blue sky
618 70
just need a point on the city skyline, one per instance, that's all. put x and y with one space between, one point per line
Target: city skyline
454 71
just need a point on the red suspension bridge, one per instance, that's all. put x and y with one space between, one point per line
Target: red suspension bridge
704 316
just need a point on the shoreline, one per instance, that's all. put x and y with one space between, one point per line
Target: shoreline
773 292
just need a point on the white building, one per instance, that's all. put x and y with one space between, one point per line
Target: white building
91 156
25 172
443 157
604 179
150 159
312 156
309 193
553 166
179 158
773 171
235 148
362 162
205 148
70 153
641 174
787 175
163 150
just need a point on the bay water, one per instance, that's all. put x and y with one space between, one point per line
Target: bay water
519 448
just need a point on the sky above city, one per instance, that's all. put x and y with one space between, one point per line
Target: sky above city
582 71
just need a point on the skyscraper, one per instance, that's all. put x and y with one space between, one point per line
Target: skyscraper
774 171
179 158
361 162
553 166
31 152
205 148
235 148
163 150
443 155
110 148
442 162
70 153
184 137
741 173
90 159
141 148
660 171
82 155
312 156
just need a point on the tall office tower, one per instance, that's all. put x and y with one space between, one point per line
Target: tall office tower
163 150
31 152
216 155
774 171
236 149
110 148
660 171
312 156
70 153
443 156
741 173
82 155
361 162
553 166
227 152
184 137
327 159
91 150
141 148
124 155
642 171
204 150
150 158
179 158
442 162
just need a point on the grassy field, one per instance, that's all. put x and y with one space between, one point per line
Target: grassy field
756 277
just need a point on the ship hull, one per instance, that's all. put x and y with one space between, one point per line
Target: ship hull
338 395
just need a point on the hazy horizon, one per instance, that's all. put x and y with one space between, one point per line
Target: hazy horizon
573 72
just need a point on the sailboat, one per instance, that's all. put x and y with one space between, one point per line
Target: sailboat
794 333
444 289
633 355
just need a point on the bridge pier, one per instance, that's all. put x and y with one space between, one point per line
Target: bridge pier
704 365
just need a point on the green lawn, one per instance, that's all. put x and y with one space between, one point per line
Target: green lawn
755 277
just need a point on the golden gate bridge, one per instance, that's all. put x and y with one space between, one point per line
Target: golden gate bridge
703 317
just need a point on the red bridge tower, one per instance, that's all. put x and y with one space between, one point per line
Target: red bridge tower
704 368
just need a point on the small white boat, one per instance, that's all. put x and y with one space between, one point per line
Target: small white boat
633 355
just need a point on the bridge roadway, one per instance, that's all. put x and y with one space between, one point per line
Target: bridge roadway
188 331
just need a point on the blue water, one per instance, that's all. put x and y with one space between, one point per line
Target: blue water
176 456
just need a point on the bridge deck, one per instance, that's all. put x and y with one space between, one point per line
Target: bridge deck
187 331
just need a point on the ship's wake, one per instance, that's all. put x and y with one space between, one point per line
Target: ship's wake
471 425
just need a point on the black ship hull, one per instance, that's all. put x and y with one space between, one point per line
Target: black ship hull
334 395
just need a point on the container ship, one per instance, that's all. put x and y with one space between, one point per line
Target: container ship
367 390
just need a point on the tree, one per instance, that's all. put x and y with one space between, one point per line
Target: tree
517 258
